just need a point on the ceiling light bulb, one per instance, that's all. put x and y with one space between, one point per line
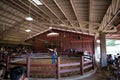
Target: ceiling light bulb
37 2
27 30
50 27
29 18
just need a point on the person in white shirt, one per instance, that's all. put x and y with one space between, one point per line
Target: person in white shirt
54 54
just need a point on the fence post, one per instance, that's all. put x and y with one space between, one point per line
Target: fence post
7 62
93 61
81 65
58 68
28 66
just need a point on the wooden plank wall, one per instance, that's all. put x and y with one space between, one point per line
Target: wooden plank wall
66 40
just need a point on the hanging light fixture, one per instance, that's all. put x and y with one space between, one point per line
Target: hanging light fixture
37 2
29 18
52 34
27 30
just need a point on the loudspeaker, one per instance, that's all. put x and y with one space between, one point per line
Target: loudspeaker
78 37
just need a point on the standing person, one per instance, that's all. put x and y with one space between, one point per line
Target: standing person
54 54
117 63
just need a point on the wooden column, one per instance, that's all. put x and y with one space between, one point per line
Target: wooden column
28 66
96 53
93 61
103 59
58 68
81 65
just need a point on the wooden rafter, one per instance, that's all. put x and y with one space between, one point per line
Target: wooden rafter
73 6
111 13
56 1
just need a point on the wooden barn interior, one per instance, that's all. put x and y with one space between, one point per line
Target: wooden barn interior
31 28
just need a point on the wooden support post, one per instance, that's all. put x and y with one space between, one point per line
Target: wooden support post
103 50
93 61
28 66
81 65
7 63
58 68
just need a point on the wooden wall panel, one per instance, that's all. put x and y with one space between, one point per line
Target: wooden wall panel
65 40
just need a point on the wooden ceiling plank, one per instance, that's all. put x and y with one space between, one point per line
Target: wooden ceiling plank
59 6
15 15
4 26
8 18
62 21
46 13
26 11
11 13
32 9
13 27
73 6
43 1
4 21
90 16
22 11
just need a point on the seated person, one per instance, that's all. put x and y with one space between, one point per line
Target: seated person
2 71
17 73
117 63
110 60
2 62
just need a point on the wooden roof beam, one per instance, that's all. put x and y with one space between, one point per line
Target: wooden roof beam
73 6
23 11
43 1
17 15
40 9
113 9
56 1
33 9
90 15
1 15
27 10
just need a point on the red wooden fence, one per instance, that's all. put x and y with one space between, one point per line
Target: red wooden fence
84 64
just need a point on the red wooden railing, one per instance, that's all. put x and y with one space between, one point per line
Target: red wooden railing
83 65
